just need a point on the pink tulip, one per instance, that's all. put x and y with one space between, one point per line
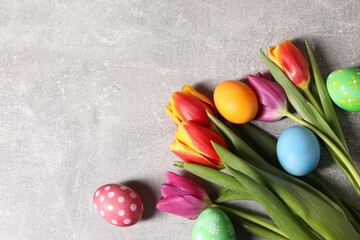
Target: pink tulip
182 197
272 98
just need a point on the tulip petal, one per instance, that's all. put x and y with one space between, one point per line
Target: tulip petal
188 155
271 96
294 64
182 185
182 205
268 115
289 58
273 54
168 190
269 93
189 90
199 139
171 111
191 109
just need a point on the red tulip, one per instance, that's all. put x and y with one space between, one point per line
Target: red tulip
189 105
193 144
287 57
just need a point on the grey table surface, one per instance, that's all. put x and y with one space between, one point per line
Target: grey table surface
83 86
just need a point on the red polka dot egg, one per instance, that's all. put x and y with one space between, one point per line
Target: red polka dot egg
118 204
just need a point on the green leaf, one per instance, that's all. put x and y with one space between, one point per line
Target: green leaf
326 129
254 224
214 176
344 169
327 221
225 195
353 210
262 139
309 206
286 220
233 161
261 231
316 182
330 114
240 146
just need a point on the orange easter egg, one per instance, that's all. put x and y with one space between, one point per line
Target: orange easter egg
235 101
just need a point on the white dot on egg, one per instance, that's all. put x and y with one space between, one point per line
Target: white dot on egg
354 81
199 235
121 213
132 195
110 207
114 221
111 194
107 188
97 193
349 100
123 187
133 207
121 199
102 198
102 213
342 87
127 221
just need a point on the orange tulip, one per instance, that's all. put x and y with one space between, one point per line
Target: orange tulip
193 144
287 57
189 105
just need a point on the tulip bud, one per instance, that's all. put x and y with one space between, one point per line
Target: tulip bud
272 98
287 57
182 197
189 105
193 144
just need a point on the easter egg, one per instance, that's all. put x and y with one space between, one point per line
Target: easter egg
212 223
298 150
118 204
344 88
235 101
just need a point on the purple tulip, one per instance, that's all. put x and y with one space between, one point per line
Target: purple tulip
272 98
182 197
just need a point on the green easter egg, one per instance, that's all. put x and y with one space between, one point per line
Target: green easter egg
344 88
212 223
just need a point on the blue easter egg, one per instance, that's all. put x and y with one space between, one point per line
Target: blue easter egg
298 150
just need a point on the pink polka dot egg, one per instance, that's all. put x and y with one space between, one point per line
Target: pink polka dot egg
118 204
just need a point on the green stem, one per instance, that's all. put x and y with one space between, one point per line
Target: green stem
349 166
253 219
313 101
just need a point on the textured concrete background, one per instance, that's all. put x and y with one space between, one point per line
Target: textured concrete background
83 86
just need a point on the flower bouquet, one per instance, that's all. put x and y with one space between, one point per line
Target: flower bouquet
296 208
